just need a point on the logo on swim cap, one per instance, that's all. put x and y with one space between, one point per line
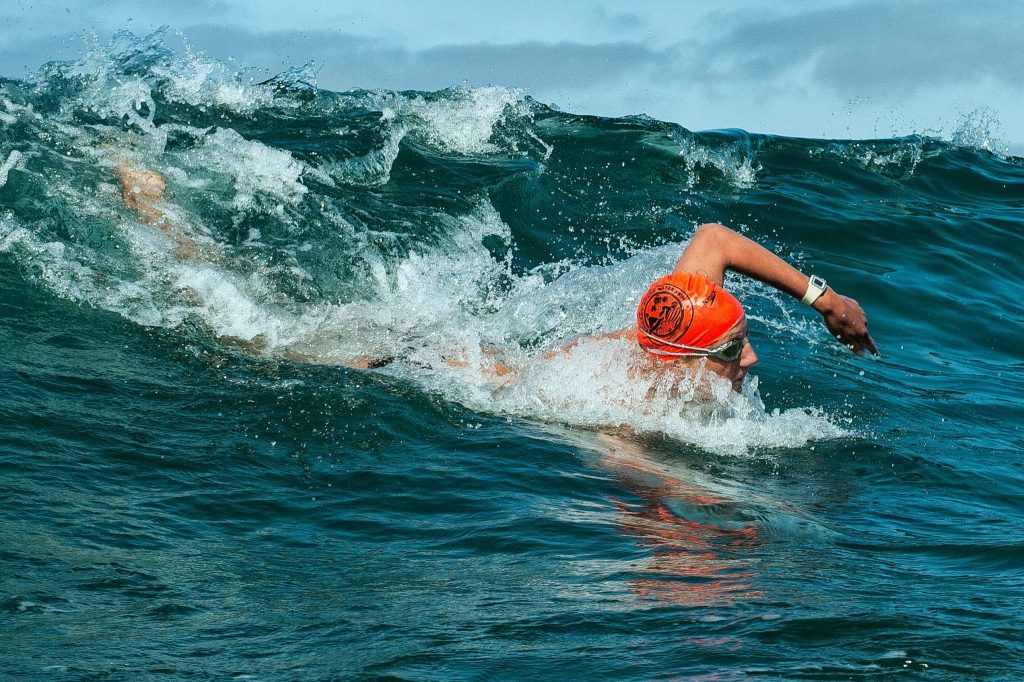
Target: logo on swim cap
665 311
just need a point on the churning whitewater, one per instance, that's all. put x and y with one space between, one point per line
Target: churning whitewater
314 245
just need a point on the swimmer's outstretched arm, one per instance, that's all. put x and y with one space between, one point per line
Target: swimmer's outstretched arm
358 362
715 249
143 191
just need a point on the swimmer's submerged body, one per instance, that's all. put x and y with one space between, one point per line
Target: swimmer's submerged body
685 318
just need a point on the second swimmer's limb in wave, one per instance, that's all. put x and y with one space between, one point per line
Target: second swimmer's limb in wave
143 191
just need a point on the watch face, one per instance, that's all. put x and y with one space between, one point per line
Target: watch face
818 282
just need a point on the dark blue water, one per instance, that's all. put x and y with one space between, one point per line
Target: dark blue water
195 486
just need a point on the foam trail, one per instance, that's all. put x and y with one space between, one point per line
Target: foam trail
12 160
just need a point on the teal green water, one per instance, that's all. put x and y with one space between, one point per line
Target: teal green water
186 494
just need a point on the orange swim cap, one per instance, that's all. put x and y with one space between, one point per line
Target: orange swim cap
684 309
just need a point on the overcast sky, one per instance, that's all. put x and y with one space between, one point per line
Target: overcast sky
830 68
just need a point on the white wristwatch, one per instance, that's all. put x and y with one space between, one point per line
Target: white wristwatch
815 288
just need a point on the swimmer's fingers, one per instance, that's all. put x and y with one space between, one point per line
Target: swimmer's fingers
847 322
858 342
869 343
859 345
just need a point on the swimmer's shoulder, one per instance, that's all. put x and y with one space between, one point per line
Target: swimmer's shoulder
567 345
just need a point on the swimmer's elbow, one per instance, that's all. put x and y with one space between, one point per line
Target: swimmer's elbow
707 252
715 233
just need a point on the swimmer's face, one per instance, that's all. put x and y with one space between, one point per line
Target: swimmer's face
734 371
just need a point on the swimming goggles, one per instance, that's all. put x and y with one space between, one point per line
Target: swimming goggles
727 352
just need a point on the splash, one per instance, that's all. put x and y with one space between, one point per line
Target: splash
264 178
736 164
463 120
5 168
332 228
894 161
979 129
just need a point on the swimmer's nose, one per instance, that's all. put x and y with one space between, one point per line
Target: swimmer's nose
748 358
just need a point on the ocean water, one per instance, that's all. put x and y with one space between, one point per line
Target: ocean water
193 487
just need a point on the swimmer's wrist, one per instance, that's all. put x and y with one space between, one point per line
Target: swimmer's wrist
827 302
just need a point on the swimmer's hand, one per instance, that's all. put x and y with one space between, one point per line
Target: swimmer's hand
143 191
141 188
846 321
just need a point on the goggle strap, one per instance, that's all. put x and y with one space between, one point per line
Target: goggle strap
677 345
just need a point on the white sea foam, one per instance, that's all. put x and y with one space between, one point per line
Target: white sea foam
232 307
374 167
599 384
596 385
460 120
259 173
12 161
737 166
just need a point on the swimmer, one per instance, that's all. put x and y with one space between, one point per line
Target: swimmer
688 316
684 318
